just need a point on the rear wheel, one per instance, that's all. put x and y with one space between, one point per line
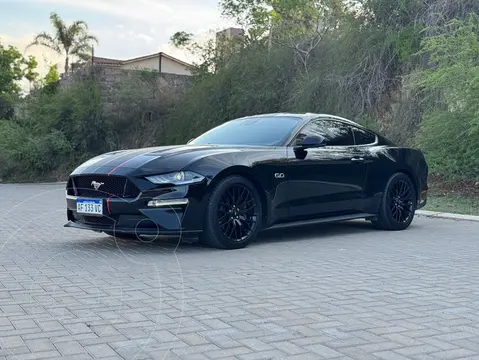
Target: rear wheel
398 204
234 214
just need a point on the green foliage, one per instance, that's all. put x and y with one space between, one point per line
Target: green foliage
52 76
148 75
284 19
257 79
393 13
451 203
406 41
26 156
49 83
255 15
206 52
181 38
137 112
450 127
348 76
56 131
14 67
53 130
249 84
78 115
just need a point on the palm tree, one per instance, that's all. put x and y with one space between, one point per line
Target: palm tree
72 40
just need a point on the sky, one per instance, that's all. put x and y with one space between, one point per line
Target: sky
125 28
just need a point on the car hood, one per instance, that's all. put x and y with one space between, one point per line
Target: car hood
153 160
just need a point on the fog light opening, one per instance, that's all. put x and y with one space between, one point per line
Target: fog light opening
167 203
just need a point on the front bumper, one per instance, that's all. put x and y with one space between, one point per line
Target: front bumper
165 211
422 199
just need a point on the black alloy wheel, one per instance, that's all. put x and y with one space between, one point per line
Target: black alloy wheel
398 204
401 201
234 214
237 212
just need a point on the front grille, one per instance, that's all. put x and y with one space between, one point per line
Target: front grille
132 222
113 186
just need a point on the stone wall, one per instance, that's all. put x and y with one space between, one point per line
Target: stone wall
117 82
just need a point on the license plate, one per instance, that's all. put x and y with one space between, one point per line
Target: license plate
91 207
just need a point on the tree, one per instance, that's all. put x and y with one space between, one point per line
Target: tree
298 24
253 15
52 76
13 69
204 51
51 80
181 39
450 84
68 40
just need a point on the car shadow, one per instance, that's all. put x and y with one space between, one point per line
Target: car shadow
171 245
314 231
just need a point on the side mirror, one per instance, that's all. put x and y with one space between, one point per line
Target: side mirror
311 141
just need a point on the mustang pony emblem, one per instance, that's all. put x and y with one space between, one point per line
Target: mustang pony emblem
96 184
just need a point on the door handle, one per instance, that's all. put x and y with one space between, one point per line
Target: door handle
357 159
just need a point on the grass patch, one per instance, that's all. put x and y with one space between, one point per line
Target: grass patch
450 203
458 197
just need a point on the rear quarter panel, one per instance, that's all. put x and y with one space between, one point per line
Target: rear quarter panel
388 160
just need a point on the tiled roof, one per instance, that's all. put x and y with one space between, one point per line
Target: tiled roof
105 61
115 62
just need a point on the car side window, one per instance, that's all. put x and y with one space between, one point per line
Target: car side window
335 132
363 137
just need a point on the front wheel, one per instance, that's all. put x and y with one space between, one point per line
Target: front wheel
234 214
398 204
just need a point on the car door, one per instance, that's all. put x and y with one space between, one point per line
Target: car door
366 143
328 180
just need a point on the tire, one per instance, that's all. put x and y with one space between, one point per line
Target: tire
398 204
237 198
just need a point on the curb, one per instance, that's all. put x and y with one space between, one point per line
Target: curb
449 216
38 183
54 183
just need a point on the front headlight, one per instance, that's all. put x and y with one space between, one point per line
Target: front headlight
177 178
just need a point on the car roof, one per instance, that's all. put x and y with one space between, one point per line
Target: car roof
304 116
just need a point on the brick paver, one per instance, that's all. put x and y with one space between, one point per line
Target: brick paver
342 291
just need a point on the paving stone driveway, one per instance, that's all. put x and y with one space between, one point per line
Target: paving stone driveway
336 292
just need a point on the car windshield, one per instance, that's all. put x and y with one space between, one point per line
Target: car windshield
254 131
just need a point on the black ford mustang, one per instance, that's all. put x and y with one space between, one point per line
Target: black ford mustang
249 174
